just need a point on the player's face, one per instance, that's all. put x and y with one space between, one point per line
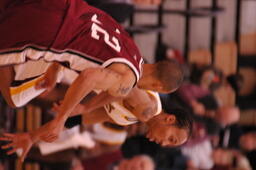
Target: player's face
166 133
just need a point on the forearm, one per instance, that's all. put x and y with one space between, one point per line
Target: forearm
88 80
54 68
144 111
36 134
98 101
76 92
94 103
78 110
7 76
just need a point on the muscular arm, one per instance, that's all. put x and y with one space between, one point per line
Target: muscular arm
94 103
141 104
117 80
87 81
96 116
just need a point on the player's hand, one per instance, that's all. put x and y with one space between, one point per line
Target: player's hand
49 79
56 107
17 141
53 129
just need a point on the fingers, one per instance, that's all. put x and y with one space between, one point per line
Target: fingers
12 151
8 145
55 107
5 139
9 134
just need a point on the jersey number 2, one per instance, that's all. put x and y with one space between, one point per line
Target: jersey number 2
96 29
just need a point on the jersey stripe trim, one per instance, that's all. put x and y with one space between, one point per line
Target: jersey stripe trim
24 86
16 83
21 95
18 55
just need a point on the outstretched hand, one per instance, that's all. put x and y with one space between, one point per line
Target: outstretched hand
56 108
17 141
51 130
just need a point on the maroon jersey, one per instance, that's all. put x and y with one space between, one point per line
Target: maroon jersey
68 31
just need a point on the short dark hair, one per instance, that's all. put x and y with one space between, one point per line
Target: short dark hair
170 73
184 119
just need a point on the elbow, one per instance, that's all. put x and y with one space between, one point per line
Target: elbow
90 74
12 105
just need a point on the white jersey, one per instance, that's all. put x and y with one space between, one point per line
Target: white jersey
68 139
108 135
122 116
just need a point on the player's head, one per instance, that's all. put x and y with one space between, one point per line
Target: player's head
164 76
170 129
139 162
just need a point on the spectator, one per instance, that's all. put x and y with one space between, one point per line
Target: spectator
248 141
227 115
139 162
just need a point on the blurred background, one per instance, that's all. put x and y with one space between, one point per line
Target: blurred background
215 41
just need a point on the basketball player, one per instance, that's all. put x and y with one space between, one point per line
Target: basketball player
140 105
77 36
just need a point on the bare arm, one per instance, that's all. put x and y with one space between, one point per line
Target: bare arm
141 104
23 141
115 83
50 77
82 86
96 116
90 105
94 103
7 76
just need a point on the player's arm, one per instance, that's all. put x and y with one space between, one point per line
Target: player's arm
99 101
89 79
24 141
94 103
144 108
50 77
145 112
115 83
96 116
7 77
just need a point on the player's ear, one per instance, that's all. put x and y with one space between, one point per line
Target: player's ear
170 119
